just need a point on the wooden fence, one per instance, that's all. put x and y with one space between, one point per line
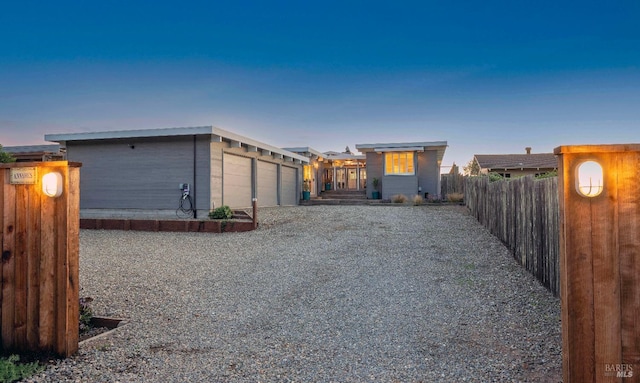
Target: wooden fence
523 213
451 183
39 308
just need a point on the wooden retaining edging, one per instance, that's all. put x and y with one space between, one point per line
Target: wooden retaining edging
213 226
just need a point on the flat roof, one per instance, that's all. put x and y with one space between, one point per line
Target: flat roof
439 146
305 149
216 134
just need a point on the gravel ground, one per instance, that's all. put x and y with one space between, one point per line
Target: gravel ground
317 294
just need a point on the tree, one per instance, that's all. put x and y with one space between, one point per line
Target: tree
6 157
471 168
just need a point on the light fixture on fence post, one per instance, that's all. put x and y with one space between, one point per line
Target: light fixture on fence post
589 179
52 184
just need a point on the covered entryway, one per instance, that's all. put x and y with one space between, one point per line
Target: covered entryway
236 183
289 192
267 184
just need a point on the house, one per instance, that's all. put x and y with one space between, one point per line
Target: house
411 168
516 165
179 171
35 153
312 172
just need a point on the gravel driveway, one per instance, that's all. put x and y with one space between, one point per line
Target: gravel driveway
317 294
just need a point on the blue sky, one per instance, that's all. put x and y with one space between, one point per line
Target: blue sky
488 77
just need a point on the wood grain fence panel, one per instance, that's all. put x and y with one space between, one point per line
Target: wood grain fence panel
523 214
629 229
605 268
47 272
33 266
578 320
72 287
8 266
39 292
21 267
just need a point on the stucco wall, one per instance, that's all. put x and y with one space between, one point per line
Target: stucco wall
141 174
374 170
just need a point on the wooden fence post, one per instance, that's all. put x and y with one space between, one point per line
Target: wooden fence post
39 309
600 265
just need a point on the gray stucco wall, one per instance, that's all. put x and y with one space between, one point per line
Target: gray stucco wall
428 173
374 170
142 173
427 176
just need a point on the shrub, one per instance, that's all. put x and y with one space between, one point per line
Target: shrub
455 197
223 212
417 200
399 198
553 173
11 370
493 177
86 313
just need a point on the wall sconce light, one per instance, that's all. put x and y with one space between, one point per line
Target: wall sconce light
589 179
315 165
52 184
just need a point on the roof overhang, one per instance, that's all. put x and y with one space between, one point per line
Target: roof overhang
438 146
216 134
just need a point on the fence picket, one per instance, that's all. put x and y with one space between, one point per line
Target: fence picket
523 213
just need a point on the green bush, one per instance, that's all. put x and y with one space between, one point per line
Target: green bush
223 212
11 370
553 173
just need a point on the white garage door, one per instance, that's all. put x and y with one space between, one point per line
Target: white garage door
267 184
236 181
289 191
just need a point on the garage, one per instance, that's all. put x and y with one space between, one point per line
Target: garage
289 194
236 185
267 184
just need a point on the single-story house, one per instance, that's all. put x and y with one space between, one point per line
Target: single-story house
179 171
516 165
410 168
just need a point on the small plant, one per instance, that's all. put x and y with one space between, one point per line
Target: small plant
493 177
455 197
306 185
375 183
399 198
223 212
11 370
417 200
86 313
553 173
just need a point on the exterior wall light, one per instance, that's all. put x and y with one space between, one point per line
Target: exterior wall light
52 184
589 179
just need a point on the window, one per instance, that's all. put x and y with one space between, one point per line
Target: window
400 163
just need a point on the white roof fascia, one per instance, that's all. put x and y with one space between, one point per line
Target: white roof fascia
305 149
405 149
250 142
401 145
217 135
139 133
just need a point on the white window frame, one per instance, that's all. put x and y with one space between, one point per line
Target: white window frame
395 170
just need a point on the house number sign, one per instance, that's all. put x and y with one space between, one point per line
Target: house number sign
23 176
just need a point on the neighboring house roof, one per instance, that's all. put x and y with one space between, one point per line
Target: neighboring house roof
534 161
35 152
439 146
217 135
